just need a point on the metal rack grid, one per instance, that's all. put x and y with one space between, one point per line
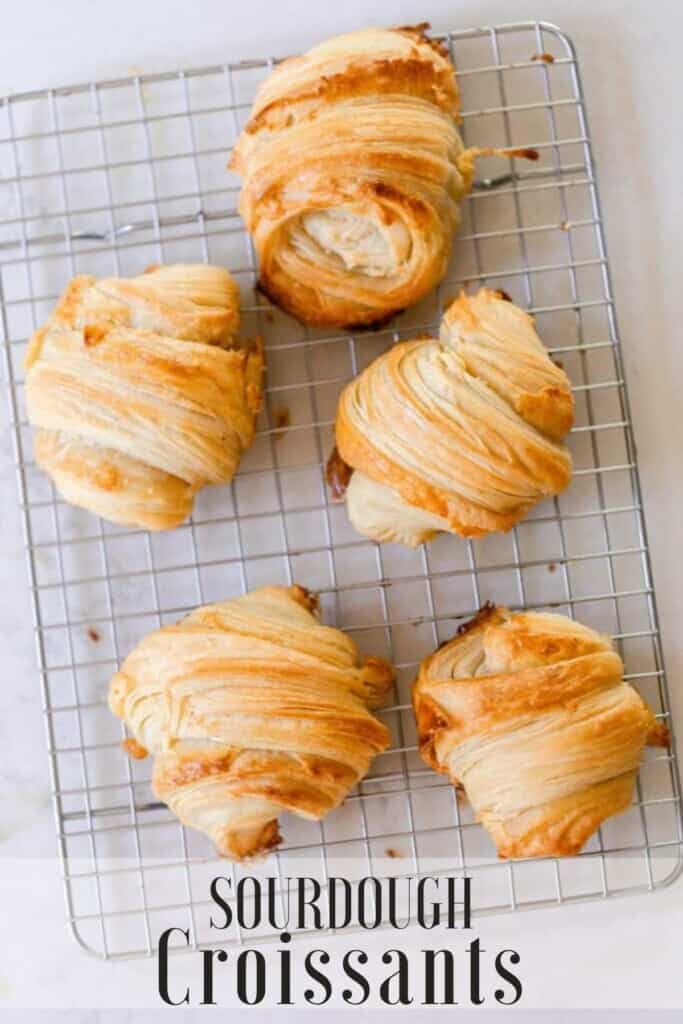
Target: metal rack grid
108 177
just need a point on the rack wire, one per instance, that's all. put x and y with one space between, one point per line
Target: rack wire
108 177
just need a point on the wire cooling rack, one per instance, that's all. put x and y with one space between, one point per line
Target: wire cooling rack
108 177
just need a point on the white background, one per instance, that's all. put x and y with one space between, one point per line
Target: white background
620 954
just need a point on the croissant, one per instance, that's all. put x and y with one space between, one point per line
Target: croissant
252 707
530 714
462 434
138 393
353 171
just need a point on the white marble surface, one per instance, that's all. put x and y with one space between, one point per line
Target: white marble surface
621 954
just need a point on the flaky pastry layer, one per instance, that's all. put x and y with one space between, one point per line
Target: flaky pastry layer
140 394
530 714
252 707
460 434
353 170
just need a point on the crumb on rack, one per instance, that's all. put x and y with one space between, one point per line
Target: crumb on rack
393 853
552 567
282 418
94 634
558 362
524 153
565 225
547 58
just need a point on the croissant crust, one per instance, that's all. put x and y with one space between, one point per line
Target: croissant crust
251 707
530 714
140 394
353 171
462 434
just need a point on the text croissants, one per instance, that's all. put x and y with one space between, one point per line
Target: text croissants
140 392
252 707
462 434
530 714
353 170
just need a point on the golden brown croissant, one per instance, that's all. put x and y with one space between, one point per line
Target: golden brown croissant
353 171
531 715
138 393
252 707
461 434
